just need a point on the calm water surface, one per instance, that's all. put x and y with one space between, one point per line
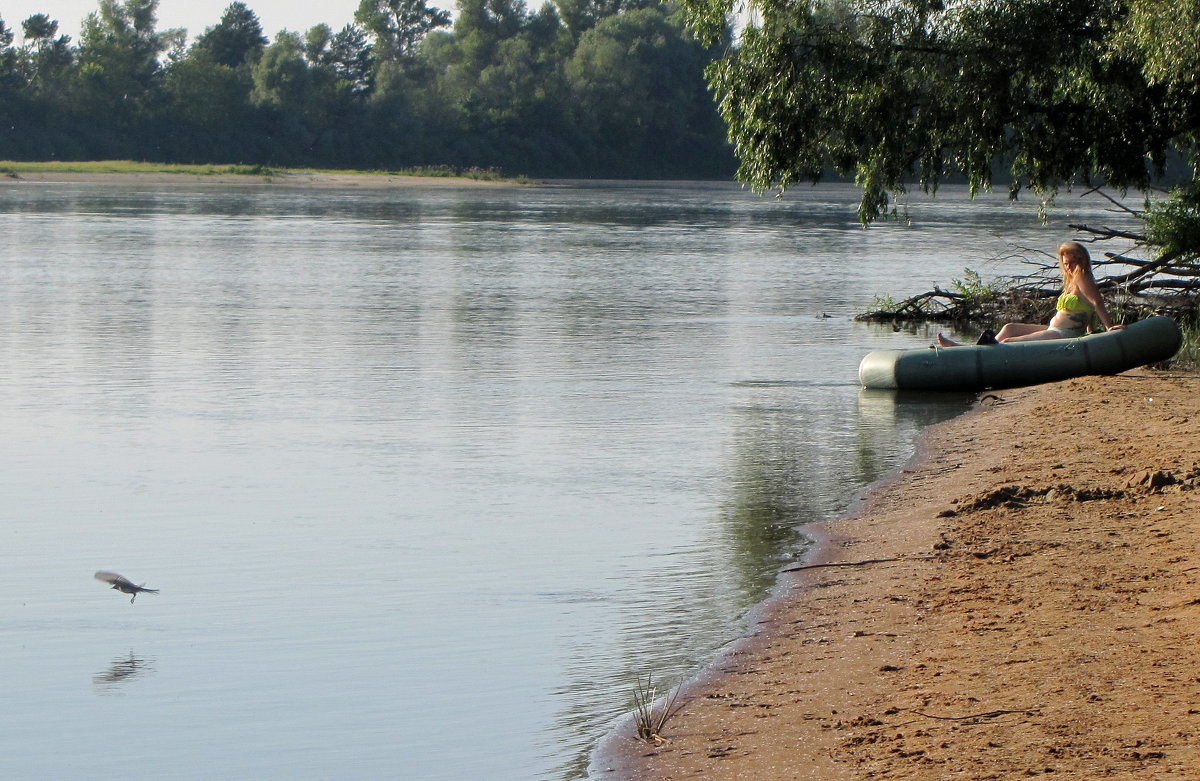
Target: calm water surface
427 477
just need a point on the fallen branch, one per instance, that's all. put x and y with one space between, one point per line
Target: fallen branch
858 563
1098 190
1178 270
1106 233
1152 267
988 715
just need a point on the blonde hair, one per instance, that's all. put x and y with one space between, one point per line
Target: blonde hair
1071 278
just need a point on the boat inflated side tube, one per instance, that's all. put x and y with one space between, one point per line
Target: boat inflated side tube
978 367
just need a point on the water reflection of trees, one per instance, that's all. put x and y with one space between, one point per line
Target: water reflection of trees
769 493
795 454
782 478
889 422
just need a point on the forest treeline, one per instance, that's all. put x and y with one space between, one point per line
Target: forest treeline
576 88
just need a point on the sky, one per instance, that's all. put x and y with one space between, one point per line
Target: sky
195 15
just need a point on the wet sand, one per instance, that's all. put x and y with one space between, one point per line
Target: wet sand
1037 611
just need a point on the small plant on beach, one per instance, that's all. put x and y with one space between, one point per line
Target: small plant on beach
1188 356
650 719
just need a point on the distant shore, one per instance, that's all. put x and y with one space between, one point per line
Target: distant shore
119 171
1022 600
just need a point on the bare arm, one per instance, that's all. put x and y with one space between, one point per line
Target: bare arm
1088 289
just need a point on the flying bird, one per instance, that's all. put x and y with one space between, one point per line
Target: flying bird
124 584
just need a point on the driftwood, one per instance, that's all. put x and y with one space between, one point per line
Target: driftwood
987 715
862 563
1168 284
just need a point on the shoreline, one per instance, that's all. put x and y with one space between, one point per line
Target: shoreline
306 179
620 756
1039 614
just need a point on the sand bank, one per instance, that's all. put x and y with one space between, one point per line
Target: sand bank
1043 617
284 179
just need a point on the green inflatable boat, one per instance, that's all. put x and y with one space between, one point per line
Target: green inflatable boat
978 367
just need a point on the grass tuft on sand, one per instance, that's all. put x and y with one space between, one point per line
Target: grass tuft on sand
650 718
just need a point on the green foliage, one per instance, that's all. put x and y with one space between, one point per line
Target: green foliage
975 292
505 88
249 170
128 167
119 51
9 77
281 75
131 167
918 91
47 58
1173 224
207 94
1188 356
636 77
399 25
582 15
882 303
236 40
450 172
1164 35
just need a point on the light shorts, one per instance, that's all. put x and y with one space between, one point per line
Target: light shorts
1069 333
1079 324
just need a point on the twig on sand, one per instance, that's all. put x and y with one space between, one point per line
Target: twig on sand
858 563
988 715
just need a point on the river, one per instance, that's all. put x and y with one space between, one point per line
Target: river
427 478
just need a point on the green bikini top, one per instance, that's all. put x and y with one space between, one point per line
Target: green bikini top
1070 302
1080 309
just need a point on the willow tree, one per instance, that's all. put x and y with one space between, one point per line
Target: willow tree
901 93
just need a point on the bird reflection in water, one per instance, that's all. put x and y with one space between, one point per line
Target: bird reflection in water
120 671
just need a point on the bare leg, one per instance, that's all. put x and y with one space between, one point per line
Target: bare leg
1038 336
1021 332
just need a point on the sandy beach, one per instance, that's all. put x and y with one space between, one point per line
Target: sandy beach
1022 600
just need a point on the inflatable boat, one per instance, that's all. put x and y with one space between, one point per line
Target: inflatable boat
978 367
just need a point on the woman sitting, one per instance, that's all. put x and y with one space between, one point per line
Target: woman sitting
1079 306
